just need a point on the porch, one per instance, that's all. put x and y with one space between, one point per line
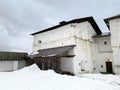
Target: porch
51 58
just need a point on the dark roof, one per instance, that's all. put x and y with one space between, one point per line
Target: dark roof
106 34
11 56
57 51
110 18
89 19
113 17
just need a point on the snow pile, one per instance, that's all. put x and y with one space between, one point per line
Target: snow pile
33 67
32 78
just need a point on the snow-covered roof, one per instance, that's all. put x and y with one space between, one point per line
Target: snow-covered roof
52 51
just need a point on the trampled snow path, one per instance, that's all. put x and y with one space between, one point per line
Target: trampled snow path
112 79
31 78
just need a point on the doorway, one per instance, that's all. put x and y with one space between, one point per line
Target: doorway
45 63
109 68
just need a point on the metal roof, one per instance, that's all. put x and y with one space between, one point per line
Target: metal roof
106 34
89 19
11 56
52 51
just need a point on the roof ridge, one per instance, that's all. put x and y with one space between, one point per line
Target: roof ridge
90 19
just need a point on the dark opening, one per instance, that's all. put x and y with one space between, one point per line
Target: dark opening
62 22
109 67
105 42
101 66
43 66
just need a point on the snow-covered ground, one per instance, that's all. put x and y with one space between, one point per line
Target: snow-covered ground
31 78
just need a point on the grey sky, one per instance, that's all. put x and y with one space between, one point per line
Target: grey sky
19 18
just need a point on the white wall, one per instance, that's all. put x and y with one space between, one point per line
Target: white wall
102 47
66 64
59 37
15 65
101 61
84 51
104 52
11 65
115 41
115 31
6 66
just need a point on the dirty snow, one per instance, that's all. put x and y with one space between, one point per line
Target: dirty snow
31 78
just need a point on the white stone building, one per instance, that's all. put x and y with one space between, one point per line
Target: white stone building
113 24
104 53
79 46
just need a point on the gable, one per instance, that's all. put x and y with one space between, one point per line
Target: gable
85 31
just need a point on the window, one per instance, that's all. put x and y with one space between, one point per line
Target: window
39 41
105 42
101 66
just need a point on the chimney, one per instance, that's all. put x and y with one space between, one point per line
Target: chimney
62 22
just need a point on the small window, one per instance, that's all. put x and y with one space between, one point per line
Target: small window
101 66
39 41
105 42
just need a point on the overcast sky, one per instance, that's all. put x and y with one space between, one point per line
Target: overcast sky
19 18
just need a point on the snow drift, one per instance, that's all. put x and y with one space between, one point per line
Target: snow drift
32 78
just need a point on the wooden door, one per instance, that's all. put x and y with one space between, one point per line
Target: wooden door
109 67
